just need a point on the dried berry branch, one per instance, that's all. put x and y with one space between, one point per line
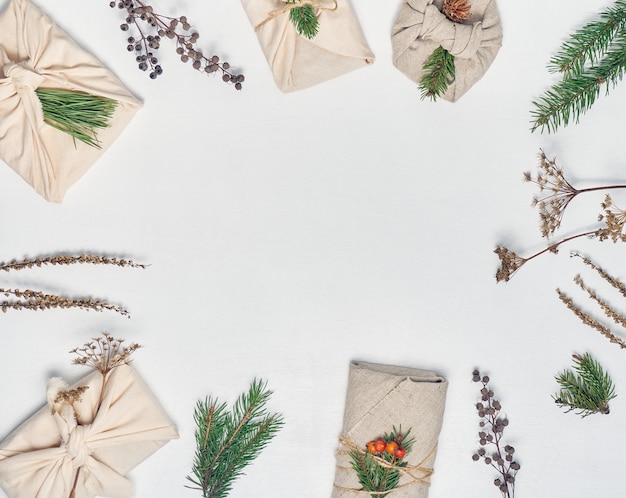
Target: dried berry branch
143 17
492 426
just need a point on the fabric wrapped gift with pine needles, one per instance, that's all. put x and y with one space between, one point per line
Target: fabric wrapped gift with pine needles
298 62
35 55
421 28
85 448
382 398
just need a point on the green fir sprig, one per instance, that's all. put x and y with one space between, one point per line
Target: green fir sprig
304 19
439 74
228 440
588 388
77 114
594 58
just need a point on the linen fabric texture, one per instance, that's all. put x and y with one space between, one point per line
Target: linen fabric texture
35 53
297 62
91 442
420 28
380 397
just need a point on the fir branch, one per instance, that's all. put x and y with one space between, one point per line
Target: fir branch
305 20
77 114
439 74
587 389
228 441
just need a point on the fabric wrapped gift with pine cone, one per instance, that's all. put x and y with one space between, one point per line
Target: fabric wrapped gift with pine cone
420 28
35 53
87 446
297 62
379 398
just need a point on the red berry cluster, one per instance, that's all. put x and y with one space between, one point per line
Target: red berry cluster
392 447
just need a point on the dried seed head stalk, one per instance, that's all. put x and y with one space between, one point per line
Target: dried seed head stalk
510 262
68 259
36 300
456 10
104 353
174 28
608 310
614 282
70 396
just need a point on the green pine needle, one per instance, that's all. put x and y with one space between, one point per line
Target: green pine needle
305 20
75 113
228 441
439 74
587 389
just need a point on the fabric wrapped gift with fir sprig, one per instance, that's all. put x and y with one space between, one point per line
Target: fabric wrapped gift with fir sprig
381 399
298 62
36 54
420 28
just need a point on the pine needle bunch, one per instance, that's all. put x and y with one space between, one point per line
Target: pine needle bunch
104 353
304 19
439 67
36 300
587 388
491 434
378 466
229 440
145 20
78 114
592 59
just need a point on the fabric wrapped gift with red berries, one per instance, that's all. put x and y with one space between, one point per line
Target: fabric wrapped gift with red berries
388 443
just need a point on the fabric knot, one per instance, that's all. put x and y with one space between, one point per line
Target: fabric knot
22 75
461 40
77 448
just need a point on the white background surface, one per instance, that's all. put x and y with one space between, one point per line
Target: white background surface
290 234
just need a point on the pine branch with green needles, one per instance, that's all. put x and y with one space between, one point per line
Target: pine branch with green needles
439 74
77 114
229 440
593 59
305 20
588 388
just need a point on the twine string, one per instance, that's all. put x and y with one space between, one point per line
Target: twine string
318 4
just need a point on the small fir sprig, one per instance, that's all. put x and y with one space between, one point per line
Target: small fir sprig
587 388
78 114
229 440
439 68
378 466
145 46
304 19
104 353
593 58
492 425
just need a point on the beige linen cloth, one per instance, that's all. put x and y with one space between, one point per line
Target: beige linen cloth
63 444
35 53
420 28
380 397
297 62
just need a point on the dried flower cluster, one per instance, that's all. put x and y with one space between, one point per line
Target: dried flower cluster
104 353
492 426
559 193
145 46
70 396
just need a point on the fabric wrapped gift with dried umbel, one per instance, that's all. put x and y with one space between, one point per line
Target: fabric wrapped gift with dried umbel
35 53
297 62
420 28
379 398
89 446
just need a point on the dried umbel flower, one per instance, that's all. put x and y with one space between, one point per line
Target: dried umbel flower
104 353
145 46
492 449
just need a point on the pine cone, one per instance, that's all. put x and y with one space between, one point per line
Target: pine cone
456 10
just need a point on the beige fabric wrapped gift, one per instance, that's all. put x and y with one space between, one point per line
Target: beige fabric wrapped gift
379 398
420 28
297 62
87 446
35 53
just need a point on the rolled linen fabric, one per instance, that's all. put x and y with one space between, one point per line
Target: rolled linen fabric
35 53
420 28
379 398
297 62
87 446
